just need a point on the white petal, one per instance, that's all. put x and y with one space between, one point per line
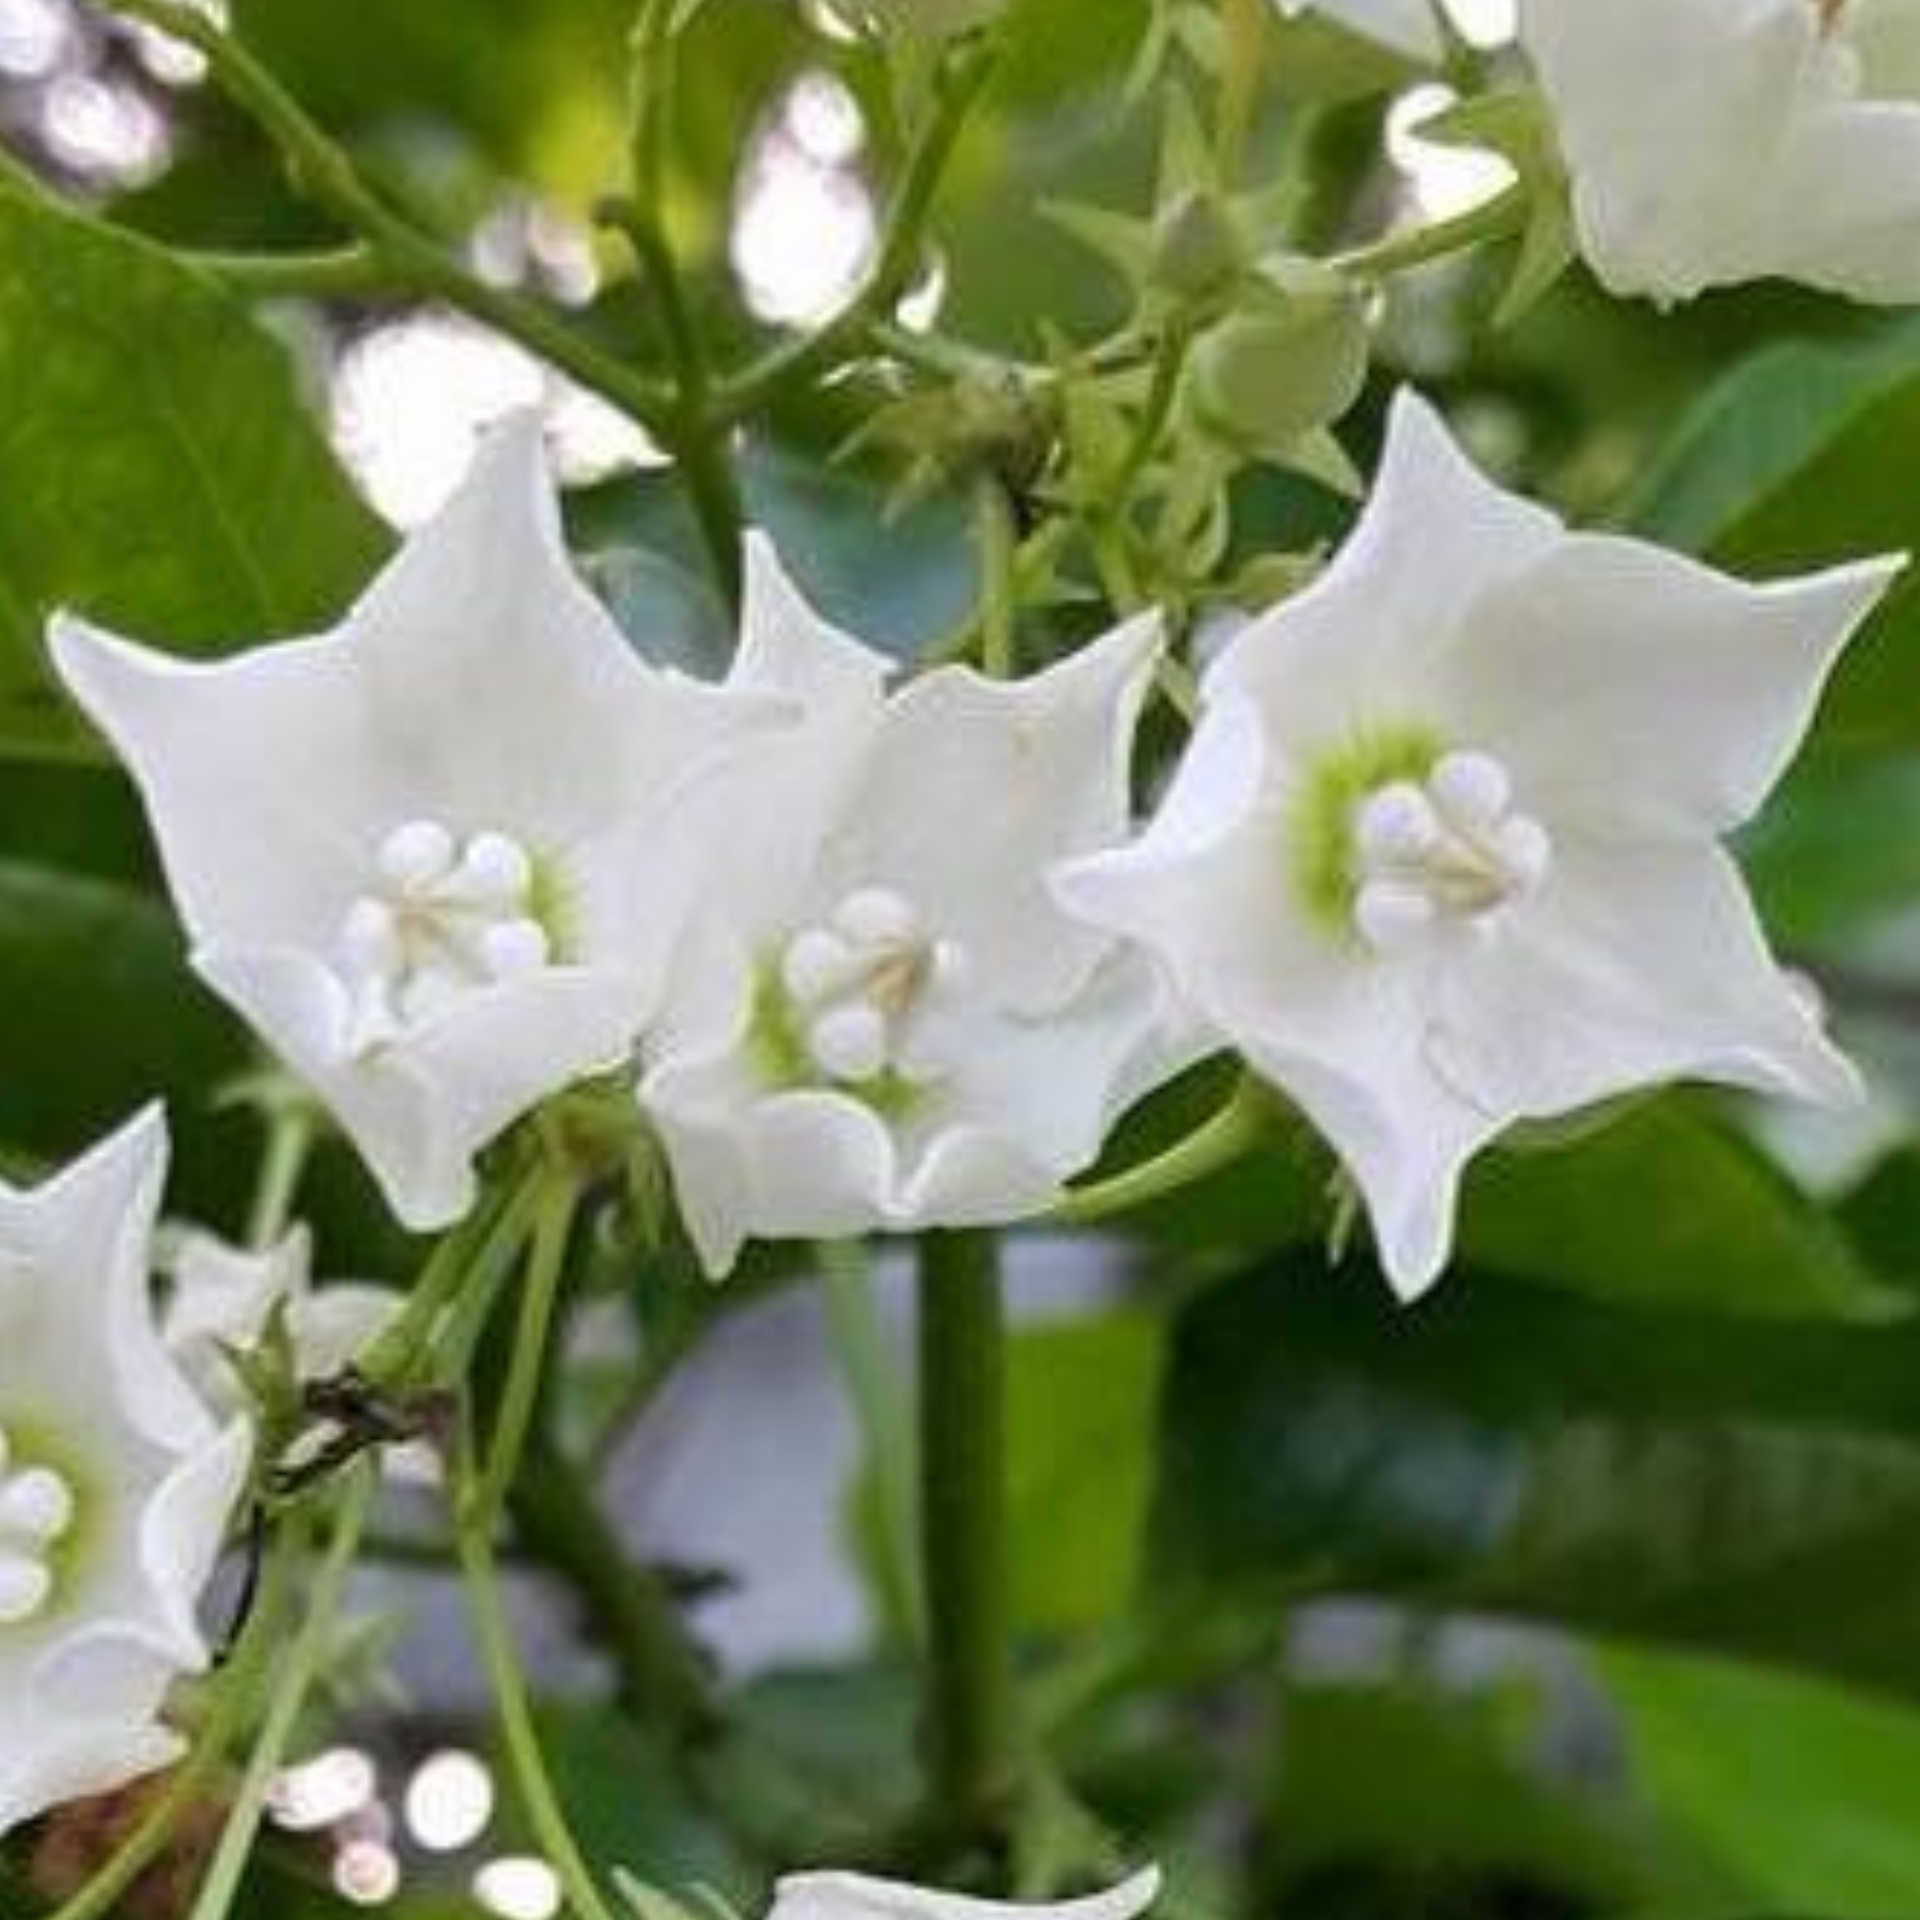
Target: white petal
1633 967
787 648
1635 692
1360 647
855 1896
1717 141
978 786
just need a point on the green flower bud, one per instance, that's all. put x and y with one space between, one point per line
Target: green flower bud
1266 379
1197 249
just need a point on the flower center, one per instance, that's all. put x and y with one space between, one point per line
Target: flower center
37 1508
1452 846
446 915
856 990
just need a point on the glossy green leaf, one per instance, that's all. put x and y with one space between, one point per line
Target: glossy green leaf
1730 1485
160 471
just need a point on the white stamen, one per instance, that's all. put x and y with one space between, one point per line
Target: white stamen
26 1585
1456 847
515 949
1474 789
877 916
494 870
37 1504
1391 916
817 965
849 1042
1397 823
371 937
417 854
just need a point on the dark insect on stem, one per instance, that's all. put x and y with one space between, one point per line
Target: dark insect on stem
355 1416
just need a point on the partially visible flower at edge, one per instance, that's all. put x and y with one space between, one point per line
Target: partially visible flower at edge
858 1896
1407 26
1713 142
116 1484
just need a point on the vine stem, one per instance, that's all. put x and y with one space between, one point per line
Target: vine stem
553 1217
290 1140
961 83
1498 218
1216 1143
233 1701
968 1667
532 1779
292 1682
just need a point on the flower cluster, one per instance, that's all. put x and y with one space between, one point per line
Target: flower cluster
1443 855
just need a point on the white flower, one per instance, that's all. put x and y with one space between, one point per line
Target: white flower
224 1299
115 1485
1407 26
855 1896
1717 141
1444 853
883 1020
420 853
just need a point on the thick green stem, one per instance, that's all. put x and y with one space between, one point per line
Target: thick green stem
969 1730
898 261
331 273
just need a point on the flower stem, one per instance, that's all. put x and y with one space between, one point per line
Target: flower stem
291 1684
1499 218
528 1764
627 1610
1216 1143
968 1668
553 1219
237 1688
961 83
290 1138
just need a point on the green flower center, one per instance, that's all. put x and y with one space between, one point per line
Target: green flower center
40 1513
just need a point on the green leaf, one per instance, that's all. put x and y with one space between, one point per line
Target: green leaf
1784 468
1728 1485
159 469
1806 1794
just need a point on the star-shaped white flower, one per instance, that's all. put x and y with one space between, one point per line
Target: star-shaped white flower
116 1485
225 1298
883 1021
1712 142
1407 26
1444 853
858 1896
421 853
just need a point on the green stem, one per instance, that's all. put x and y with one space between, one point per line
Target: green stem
883 1414
697 444
234 1700
1213 1145
330 272
999 595
322 170
290 1138
629 1613
1499 218
1242 70
553 1220
482 1242
969 1689
960 85
520 1735
292 1682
